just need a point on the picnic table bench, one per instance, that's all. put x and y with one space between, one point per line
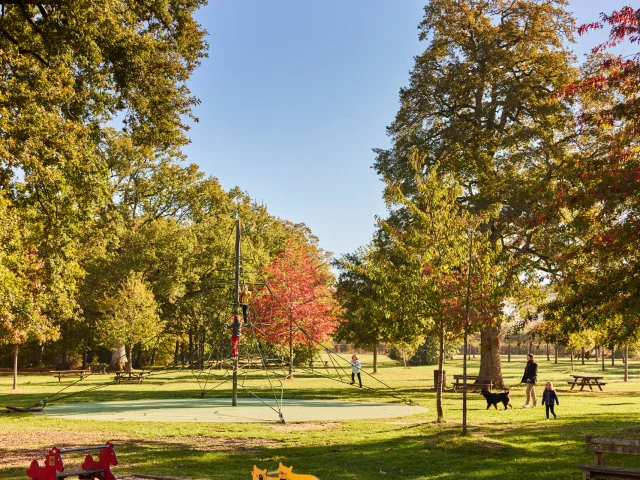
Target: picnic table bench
601 445
70 373
474 382
587 381
124 376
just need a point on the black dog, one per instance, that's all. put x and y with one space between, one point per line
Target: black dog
496 398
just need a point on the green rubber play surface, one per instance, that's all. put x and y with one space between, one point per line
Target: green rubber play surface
220 410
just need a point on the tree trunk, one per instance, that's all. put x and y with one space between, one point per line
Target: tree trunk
40 355
613 356
490 356
138 361
290 349
375 359
626 363
602 357
548 357
118 359
153 356
571 360
555 353
129 367
509 352
190 349
597 352
15 367
441 377
582 356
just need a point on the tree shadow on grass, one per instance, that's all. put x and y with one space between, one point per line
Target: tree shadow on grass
541 450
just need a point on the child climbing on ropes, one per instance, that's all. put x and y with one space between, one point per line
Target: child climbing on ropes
236 332
355 370
245 296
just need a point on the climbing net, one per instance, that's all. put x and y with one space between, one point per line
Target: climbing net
260 366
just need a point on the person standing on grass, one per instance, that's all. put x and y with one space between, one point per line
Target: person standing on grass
355 370
549 397
530 377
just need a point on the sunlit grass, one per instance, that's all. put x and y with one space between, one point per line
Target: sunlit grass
517 443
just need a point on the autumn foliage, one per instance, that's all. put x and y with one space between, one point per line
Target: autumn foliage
600 262
299 299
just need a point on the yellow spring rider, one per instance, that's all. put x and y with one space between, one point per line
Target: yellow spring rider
283 473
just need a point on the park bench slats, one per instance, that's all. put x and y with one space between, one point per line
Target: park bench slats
601 445
630 442
603 471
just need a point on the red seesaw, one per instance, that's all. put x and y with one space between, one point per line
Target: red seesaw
53 468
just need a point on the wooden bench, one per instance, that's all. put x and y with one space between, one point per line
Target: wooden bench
474 382
137 377
70 373
602 445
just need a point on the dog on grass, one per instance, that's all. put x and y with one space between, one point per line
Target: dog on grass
496 398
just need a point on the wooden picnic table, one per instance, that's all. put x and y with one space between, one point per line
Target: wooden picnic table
587 381
71 373
124 376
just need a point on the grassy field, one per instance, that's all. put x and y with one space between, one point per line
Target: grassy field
512 444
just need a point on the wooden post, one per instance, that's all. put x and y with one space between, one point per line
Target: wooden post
236 305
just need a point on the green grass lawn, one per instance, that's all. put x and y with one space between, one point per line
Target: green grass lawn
512 444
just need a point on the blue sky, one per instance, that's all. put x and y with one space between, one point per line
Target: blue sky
295 94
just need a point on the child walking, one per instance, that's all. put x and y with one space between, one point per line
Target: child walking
355 370
549 398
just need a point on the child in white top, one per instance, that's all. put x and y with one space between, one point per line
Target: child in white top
355 370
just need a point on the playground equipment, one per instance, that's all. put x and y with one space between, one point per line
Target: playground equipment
283 473
53 467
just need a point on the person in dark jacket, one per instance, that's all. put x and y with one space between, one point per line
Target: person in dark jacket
549 398
236 332
530 377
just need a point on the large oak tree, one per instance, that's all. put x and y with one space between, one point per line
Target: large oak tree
481 104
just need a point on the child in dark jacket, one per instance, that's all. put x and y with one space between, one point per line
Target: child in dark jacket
549 398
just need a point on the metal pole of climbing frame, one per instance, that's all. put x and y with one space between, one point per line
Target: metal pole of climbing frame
466 343
236 304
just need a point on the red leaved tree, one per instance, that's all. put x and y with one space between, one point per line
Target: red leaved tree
601 260
299 308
